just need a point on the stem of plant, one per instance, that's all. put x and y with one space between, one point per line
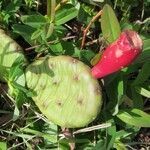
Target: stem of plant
88 27
51 4
68 135
63 2
51 42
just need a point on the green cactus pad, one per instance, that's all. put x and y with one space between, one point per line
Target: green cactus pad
9 52
66 92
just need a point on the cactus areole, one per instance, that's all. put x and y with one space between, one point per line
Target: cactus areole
119 54
66 92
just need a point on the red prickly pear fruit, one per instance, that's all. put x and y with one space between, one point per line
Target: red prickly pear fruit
119 54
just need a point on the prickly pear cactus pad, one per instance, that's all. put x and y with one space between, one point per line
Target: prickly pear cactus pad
66 92
9 52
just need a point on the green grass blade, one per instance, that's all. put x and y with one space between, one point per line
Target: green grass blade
135 117
143 75
143 91
65 14
3 146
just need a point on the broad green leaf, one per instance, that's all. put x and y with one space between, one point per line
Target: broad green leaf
143 91
146 44
114 92
136 98
109 24
25 31
56 48
50 30
34 21
126 25
101 145
16 69
85 13
86 56
63 144
122 134
3 146
145 55
127 101
143 75
5 72
132 68
16 84
68 47
96 59
13 6
20 88
111 135
65 14
36 34
119 145
51 129
135 117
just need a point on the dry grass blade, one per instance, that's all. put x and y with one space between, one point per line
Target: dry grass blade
88 27
101 126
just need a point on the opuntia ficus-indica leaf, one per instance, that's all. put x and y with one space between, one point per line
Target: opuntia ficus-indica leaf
67 94
9 52
109 24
